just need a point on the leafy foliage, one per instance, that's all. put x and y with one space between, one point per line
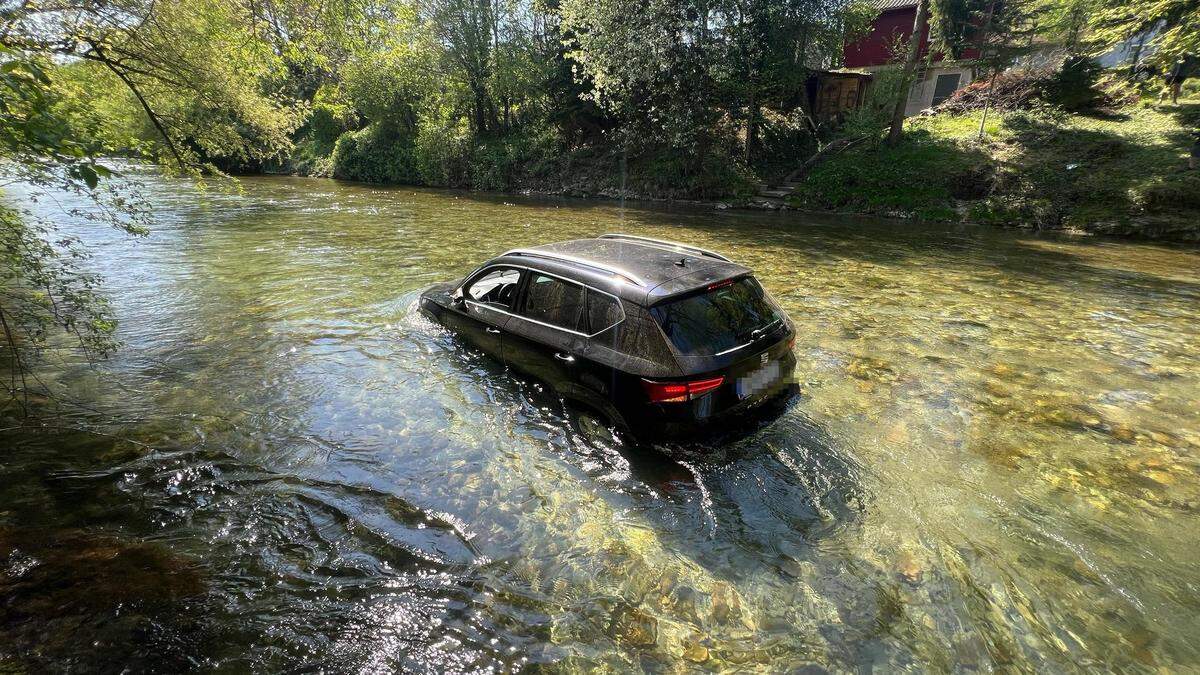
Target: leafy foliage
41 281
196 68
672 72
376 154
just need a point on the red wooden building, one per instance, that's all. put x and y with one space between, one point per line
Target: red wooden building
892 28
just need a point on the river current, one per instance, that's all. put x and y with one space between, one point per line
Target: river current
992 463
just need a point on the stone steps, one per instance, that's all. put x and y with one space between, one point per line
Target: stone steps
773 195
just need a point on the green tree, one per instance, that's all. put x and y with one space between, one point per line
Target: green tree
198 69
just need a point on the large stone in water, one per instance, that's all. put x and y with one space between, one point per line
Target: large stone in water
695 652
634 626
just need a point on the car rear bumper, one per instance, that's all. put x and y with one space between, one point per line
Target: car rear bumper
664 423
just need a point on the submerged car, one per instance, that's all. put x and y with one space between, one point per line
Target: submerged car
652 338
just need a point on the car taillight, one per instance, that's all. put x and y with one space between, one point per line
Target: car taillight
677 392
791 342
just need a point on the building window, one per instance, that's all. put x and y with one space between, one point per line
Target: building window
945 86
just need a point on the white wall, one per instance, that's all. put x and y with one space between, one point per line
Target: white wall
921 95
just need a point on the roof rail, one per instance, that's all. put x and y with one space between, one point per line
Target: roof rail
662 243
564 257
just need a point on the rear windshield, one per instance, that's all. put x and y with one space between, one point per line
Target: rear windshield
717 320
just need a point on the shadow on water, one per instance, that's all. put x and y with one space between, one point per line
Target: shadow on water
895 243
97 558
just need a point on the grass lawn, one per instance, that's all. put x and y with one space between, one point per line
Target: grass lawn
1123 172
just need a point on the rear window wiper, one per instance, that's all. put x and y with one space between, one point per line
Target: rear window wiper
758 332
754 334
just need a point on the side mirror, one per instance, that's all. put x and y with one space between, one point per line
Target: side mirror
457 296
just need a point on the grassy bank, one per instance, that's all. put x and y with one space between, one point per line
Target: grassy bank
519 161
1122 172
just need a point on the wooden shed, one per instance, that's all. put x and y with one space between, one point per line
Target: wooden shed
829 94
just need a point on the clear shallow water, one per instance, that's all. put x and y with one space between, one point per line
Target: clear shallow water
993 464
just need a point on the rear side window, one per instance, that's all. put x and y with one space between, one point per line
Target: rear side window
604 312
717 320
495 288
555 302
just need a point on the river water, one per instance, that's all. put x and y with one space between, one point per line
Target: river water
992 464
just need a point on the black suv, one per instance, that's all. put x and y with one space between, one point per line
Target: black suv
658 339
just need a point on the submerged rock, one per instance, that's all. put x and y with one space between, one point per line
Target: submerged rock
1001 453
1122 433
909 567
871 369
77 569
694 651
633 626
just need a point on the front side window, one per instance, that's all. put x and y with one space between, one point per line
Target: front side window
555 302
495 288
720 319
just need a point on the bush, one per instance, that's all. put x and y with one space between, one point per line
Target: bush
676 175
442 146
376 154
505 163
331 117
1074 85
876 111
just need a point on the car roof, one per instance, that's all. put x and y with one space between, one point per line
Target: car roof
638 269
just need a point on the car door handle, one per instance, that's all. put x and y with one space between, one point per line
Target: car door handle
493 330
564 357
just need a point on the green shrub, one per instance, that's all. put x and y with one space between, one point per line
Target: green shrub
876 111
921 177
331 117
441 151
376 154
1173 191
505 163
671 173
1074 86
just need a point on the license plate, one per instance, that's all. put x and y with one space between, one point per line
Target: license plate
758 380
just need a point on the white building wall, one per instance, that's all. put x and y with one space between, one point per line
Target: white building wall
922 93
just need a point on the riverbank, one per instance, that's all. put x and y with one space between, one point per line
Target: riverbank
1121 172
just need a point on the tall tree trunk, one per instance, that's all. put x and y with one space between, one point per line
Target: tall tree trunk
752 126
480 107
910 67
